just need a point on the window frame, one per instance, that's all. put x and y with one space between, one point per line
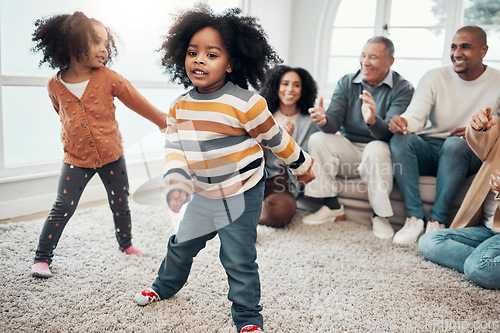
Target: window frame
455 13
37 170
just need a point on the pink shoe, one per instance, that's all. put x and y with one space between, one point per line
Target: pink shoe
134 250
251 328
41 269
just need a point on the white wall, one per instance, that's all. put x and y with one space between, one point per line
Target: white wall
275 18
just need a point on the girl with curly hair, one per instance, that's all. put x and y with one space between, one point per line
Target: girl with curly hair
214 159
289 92
82 93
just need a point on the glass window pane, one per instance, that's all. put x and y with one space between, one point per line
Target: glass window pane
480 12
137 55
340 66
42 123
418 13
31 127
418 42
350 15
413 69
349 41
134 127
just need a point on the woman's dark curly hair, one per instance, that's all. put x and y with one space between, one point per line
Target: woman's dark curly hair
271 88
61 36
244 39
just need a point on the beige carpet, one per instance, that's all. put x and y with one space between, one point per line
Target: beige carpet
328 278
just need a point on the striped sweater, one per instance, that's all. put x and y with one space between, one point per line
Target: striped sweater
213 142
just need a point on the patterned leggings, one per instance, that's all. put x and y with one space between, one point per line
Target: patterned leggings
72 182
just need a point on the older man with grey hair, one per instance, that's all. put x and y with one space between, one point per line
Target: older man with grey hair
362 105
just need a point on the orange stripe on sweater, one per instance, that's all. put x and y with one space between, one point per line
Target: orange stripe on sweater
226 109
224 160
209 126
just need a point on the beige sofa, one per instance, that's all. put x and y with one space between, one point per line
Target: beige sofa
354 197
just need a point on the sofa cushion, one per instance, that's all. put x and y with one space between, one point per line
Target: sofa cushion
355 188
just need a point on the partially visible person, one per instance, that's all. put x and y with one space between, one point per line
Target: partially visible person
472 243
289 93
428 138
82 93
361 107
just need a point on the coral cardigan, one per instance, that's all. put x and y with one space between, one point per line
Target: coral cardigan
486 145
89 130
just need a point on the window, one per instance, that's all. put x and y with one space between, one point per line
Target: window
30 127
421 31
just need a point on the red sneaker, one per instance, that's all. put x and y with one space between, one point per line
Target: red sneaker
251 328
146 296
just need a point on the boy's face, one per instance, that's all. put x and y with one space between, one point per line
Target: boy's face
207 61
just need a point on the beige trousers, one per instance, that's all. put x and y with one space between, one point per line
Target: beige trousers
335 156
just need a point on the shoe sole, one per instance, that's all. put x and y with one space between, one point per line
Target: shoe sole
42 275
382 236
329 220
406 243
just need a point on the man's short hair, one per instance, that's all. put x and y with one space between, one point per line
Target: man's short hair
389 46
478 31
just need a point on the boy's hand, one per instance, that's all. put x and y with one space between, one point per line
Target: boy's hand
308 176
175 200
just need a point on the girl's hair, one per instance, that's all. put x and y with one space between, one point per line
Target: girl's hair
244 39
271 88
61 36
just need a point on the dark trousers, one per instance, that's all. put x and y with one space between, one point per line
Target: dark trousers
234 220
72 182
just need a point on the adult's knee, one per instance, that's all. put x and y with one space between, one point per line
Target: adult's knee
400 143
455 148
426 244
480 272
377 152
325 143
316 141
429 244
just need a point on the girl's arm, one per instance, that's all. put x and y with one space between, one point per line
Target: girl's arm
132 99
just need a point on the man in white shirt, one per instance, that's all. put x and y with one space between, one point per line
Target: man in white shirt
428 136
